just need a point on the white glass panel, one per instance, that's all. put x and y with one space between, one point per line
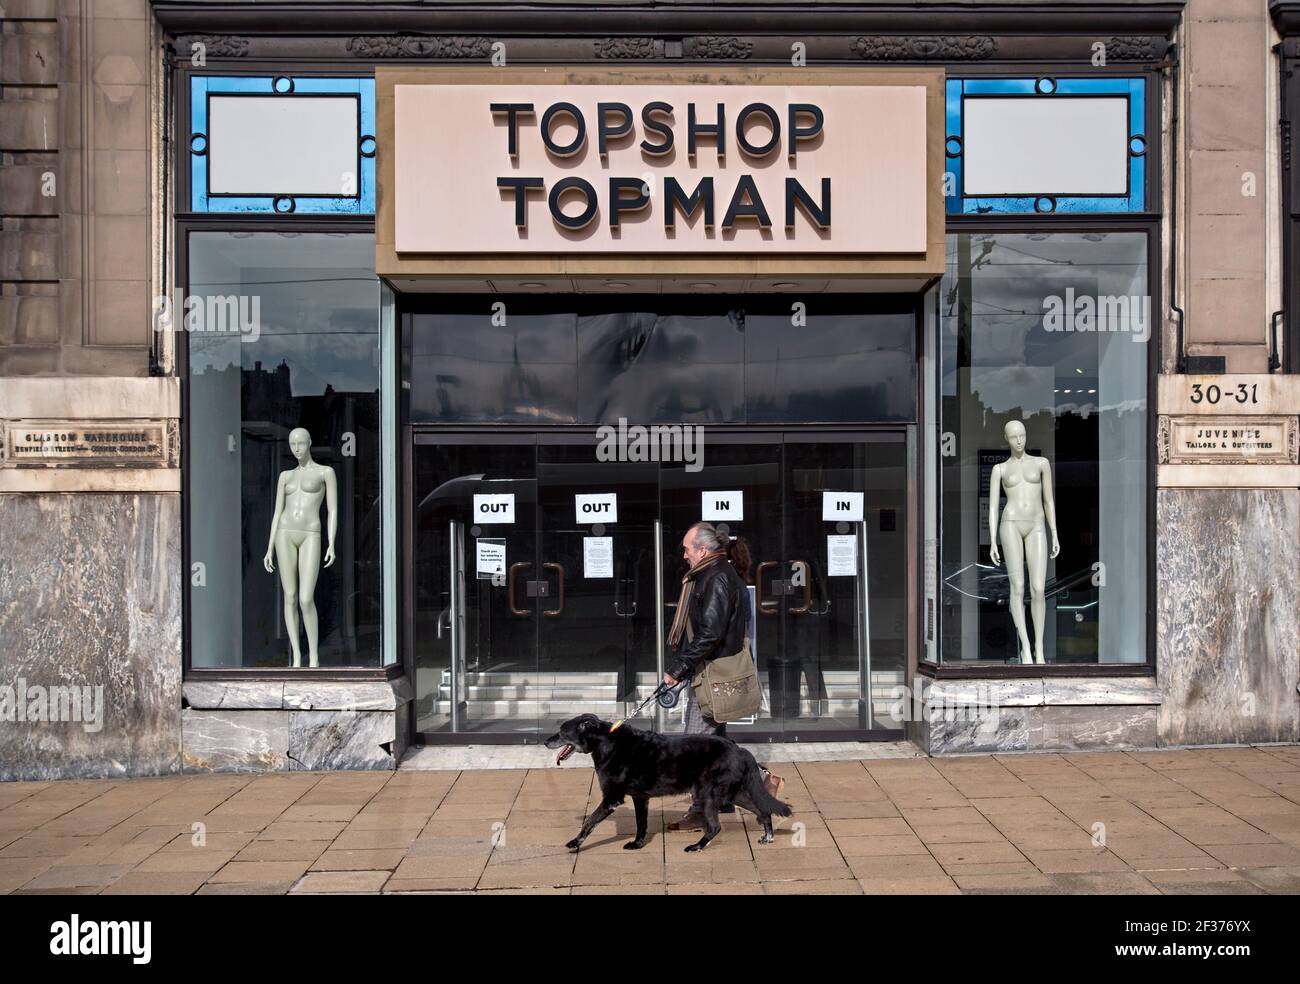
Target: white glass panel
1050 145
283 145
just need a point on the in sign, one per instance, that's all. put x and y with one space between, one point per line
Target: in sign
719 506
499 508
601 507
845 506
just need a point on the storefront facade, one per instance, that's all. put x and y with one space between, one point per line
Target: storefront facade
527 293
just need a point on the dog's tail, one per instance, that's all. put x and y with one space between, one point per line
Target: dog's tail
764 800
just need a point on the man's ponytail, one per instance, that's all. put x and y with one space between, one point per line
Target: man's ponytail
738 554
711 538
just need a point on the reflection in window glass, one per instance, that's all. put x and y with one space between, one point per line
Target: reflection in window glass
305 355
697 360
1051 331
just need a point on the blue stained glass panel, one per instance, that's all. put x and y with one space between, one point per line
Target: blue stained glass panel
1045 88
204 86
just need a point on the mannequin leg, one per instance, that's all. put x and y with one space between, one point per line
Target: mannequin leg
308 572
1013 555
286 559
1036 556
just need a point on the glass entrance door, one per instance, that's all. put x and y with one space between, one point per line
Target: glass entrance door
824 518
596 645
842 595
480 587
540 567
533 582
739 490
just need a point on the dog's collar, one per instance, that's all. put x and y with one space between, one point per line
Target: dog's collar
617 724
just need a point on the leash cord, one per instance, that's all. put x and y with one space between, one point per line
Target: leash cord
659 692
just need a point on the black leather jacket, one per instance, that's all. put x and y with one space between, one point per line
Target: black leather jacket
719 612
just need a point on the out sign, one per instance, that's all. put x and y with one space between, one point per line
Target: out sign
498 508
837 506
718 506
600 507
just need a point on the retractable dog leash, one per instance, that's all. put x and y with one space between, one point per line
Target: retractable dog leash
666 696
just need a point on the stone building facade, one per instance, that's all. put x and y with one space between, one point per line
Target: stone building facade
131 578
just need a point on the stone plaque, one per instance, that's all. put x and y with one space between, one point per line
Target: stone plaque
1245 393
90 444
1227 440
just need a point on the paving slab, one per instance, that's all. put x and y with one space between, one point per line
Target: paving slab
868 819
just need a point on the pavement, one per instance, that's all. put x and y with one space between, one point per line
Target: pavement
1188 821
456 757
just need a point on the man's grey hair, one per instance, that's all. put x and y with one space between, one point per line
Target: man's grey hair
708 537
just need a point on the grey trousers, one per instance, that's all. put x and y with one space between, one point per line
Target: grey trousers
698 724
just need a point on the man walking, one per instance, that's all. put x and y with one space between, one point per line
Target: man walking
711 620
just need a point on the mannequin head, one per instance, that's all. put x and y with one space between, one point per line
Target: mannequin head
1014 432
300 445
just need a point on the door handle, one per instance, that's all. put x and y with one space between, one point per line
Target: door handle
766 607
629 587
618 608
559 573
824 587
515 568
807 587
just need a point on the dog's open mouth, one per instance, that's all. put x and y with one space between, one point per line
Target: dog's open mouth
565 752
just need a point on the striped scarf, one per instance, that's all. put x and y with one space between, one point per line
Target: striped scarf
683 601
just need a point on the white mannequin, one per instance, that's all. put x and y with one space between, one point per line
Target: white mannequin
295 539
1027 481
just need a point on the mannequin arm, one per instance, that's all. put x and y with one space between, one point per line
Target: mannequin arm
1049 505
275 522
331 510
995 502
1049 500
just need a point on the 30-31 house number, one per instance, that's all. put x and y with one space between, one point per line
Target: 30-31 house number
1213 394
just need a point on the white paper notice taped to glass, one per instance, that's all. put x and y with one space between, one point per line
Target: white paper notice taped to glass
597 556
601 507
846 506
491 558
499 508
719 506
842 555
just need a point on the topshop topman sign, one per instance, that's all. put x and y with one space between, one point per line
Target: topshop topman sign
664 167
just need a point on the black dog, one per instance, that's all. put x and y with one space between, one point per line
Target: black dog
642 764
